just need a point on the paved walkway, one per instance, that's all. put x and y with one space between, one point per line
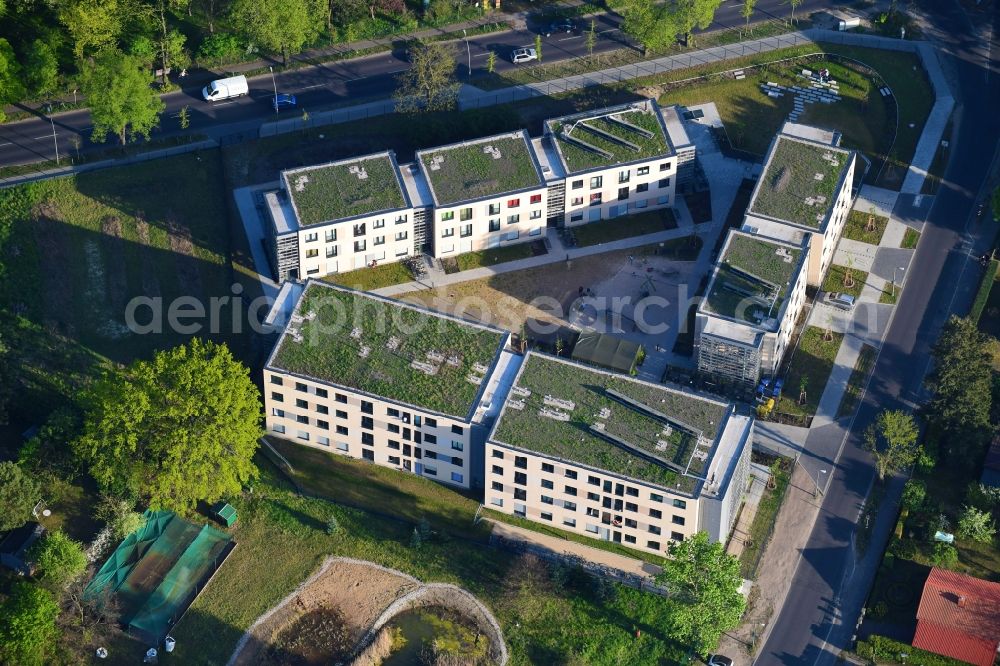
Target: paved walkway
561 546
759 476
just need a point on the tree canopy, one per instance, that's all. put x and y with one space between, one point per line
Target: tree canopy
280 27
892 440
655 26
117 87
19 493
27 625
429 84
177 429
59 558
961 382
11 88
705 583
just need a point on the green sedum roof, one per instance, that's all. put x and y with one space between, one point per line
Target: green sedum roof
588 389
800 181
328 192
479 168
592 130
750 274
360 341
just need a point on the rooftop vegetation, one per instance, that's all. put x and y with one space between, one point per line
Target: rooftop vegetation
587 389
799 182
578 158
345 189
752 278
478 169
387 348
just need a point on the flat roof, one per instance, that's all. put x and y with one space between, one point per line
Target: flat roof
548 158
349 188
389 349
416 186
611 422
799 181
752 278
675 127
282 212
606 137
480 168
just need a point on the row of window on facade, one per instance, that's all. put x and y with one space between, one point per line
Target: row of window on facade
465 214
597 198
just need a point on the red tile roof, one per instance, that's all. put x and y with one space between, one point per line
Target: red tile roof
959 617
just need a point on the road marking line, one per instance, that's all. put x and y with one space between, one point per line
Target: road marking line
46 136
315 85
6 144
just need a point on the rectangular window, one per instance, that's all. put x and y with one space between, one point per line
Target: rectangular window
664 182
465 215
629 506
430 470
629 522
656 497
496 501
546 516
277 427
665 166
676 536
302 419
496 485
591 528
494 209
497 469
548 468
277 412
511 235
368 423
341 414
299 402
430 439
680 504
331 235
342 430
456 477
341 398
402 219
497 453
359 230
596 199
569 506
394 445
655 513
547 484
277 397
513 203
642 187
430 423
322 425
312 237
368 454
653 545
465 230
596 181
520 494
536 198
402 235
520 478
393 460
325 441
342 446
622 193
394 413
456 461
629 538
360 246
513 219
520 462
577 201
677 520
632 492
623 176
367 407
448 233
547 500
457 446
569 522
368 439
378 224
570 490
379 240
457 429
577 184
303 435
593 480
642 203
276 380
331 252
447 216
570 474
642 171
576 218
535 215
495 224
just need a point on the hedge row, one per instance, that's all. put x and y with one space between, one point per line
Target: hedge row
882 650
983 294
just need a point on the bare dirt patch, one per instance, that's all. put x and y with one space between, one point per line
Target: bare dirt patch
358 592
181 244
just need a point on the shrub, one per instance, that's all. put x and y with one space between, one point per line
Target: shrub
332 525
945 555
27 625
60 559
220 48
118 514
881 649
976 525
903 548
18 493
879 610
914 494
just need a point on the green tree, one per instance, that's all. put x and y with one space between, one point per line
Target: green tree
961 383
279 27
184 117
694 14
538 47
117 87
746 11
120 515
11 87
48 450
6 375
170 42
27 625
19 493
892 440
93 25
914 494
177 429
704 584
59 558
41 69
491 61
976 525
995 205
429 84
794 4
654 26
591 37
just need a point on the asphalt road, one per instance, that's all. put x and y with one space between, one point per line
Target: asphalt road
335 83
828 589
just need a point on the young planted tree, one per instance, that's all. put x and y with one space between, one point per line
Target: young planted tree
746 11
179 428
538 47
849 273
19 493
491 61
27 625
794 4
803 385
591 37
184 117
122 103
704 585
429 84
892 441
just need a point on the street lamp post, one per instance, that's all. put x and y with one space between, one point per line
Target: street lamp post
54 141
468 50
275 84
901 269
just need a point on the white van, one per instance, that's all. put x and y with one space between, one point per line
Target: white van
234 86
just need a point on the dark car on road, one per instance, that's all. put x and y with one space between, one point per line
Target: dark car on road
283 101
562 25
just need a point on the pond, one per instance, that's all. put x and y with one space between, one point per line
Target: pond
427 635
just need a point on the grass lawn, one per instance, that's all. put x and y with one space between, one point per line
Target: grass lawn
834 280
493 256
857 223
890 294
812 361
763 520
606 231
857 380
600 544
367 279
282 539
910 239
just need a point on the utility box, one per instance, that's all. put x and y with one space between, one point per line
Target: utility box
225 513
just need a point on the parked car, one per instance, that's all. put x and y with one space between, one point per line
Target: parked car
562 25
779 384
283 101
718 660
523 55
234 86
763 391
840 300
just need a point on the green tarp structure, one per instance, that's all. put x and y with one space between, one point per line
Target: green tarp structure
158 571
607 351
